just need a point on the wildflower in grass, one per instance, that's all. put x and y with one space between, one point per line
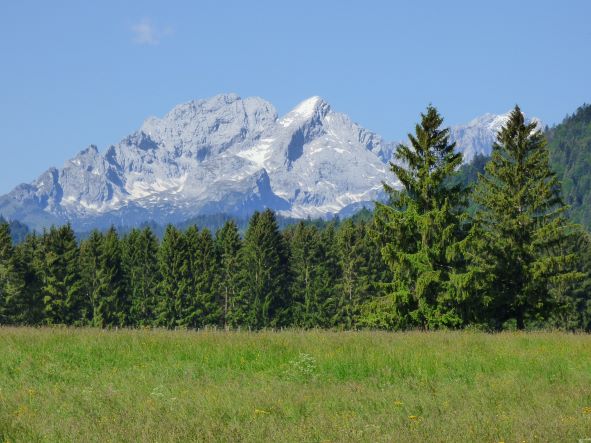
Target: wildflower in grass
261 412
22 410
413 417
302 367
587 410
398 403
569 420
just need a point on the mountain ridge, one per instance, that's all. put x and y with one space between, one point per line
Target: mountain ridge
224 154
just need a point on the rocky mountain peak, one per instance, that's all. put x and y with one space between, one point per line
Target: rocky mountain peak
311 109
224 154
478 136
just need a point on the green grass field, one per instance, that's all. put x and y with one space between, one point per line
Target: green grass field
90 385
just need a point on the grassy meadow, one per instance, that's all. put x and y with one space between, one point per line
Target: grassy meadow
129 385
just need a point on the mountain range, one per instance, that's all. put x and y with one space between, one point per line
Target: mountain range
225 155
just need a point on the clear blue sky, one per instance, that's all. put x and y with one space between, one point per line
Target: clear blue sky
74 73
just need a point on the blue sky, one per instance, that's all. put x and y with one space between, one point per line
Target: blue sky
74 73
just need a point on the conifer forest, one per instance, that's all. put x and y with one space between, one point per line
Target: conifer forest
492 249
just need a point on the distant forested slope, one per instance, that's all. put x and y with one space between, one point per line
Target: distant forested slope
570 155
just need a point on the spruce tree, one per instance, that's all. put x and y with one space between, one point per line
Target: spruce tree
112 298
570 303
61 284
202 307
228 245
310 285
174 289
263 298
352 286
90 262
361 270
27 308
420 230
11 283
140 263
332 275
520 234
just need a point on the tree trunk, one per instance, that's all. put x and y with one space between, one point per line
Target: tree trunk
520 319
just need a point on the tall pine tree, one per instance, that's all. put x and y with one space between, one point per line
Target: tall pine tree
174 289
27 308
263 298
61 284
90 262
352 287
140 262
11 283
112 298
202 307
228 245
420 230
310 284
520 234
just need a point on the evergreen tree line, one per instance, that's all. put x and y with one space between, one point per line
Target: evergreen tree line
423 260
302 276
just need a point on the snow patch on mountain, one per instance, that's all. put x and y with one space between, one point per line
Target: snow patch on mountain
478 136
224 154
227 155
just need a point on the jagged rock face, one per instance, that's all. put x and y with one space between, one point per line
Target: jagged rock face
222 155
319 161
478 136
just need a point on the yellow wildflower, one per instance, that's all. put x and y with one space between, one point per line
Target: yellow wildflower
569 419
22 410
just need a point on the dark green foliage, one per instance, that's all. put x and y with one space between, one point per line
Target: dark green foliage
264 267
18 230
519 240
60 276
203 307
112 295
467 177
438 255
27 307
570 156
213 222
174 289
570 300
569 144
420 230
90 262
228 245
11 283
352 284
468 173
361 268
311 284
140 264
